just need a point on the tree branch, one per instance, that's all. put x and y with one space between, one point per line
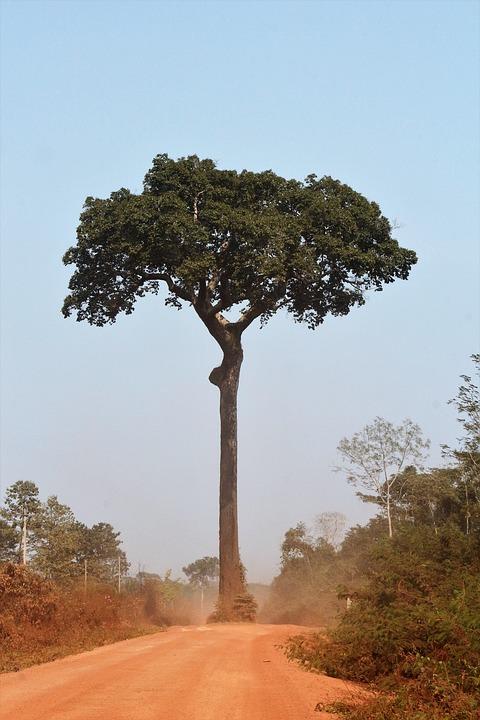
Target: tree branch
216 280
249 315
225 300
217 325
172 286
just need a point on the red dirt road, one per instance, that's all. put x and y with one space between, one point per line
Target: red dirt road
219 672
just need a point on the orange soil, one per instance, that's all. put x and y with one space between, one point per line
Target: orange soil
214 672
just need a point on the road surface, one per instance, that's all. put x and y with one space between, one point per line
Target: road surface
214 672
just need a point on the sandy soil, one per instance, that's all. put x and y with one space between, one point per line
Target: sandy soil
219 672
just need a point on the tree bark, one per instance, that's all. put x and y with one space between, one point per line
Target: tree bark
226 378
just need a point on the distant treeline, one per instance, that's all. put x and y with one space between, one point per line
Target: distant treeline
48 537
64 586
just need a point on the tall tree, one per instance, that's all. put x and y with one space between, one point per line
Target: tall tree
297 545
426 498
305 591
219 240
376 457
100 546
20 511
59 537
467 455
8 542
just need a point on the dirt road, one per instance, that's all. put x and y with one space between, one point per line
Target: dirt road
219 672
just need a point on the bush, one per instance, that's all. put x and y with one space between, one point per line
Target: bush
414 629
410 702
244 610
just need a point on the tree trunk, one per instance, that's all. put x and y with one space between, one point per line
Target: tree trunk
24 540
226 377
389 516
467 513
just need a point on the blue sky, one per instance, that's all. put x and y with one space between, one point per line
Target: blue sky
121 422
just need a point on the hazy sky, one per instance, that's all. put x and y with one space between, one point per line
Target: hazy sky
121 422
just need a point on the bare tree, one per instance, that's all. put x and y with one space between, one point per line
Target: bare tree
330 526
376 456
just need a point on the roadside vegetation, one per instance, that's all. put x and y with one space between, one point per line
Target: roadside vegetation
41 620
411 577
65 587
395 603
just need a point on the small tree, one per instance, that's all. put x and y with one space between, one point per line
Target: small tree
298 545
100 548
376 457
221 240
467 456
58 541
467 403
8 542
201 573
304 592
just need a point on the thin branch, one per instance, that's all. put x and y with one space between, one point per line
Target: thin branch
225 301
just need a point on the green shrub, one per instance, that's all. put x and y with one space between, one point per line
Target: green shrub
414 629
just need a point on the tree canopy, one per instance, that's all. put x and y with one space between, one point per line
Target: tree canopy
221 238
201 572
